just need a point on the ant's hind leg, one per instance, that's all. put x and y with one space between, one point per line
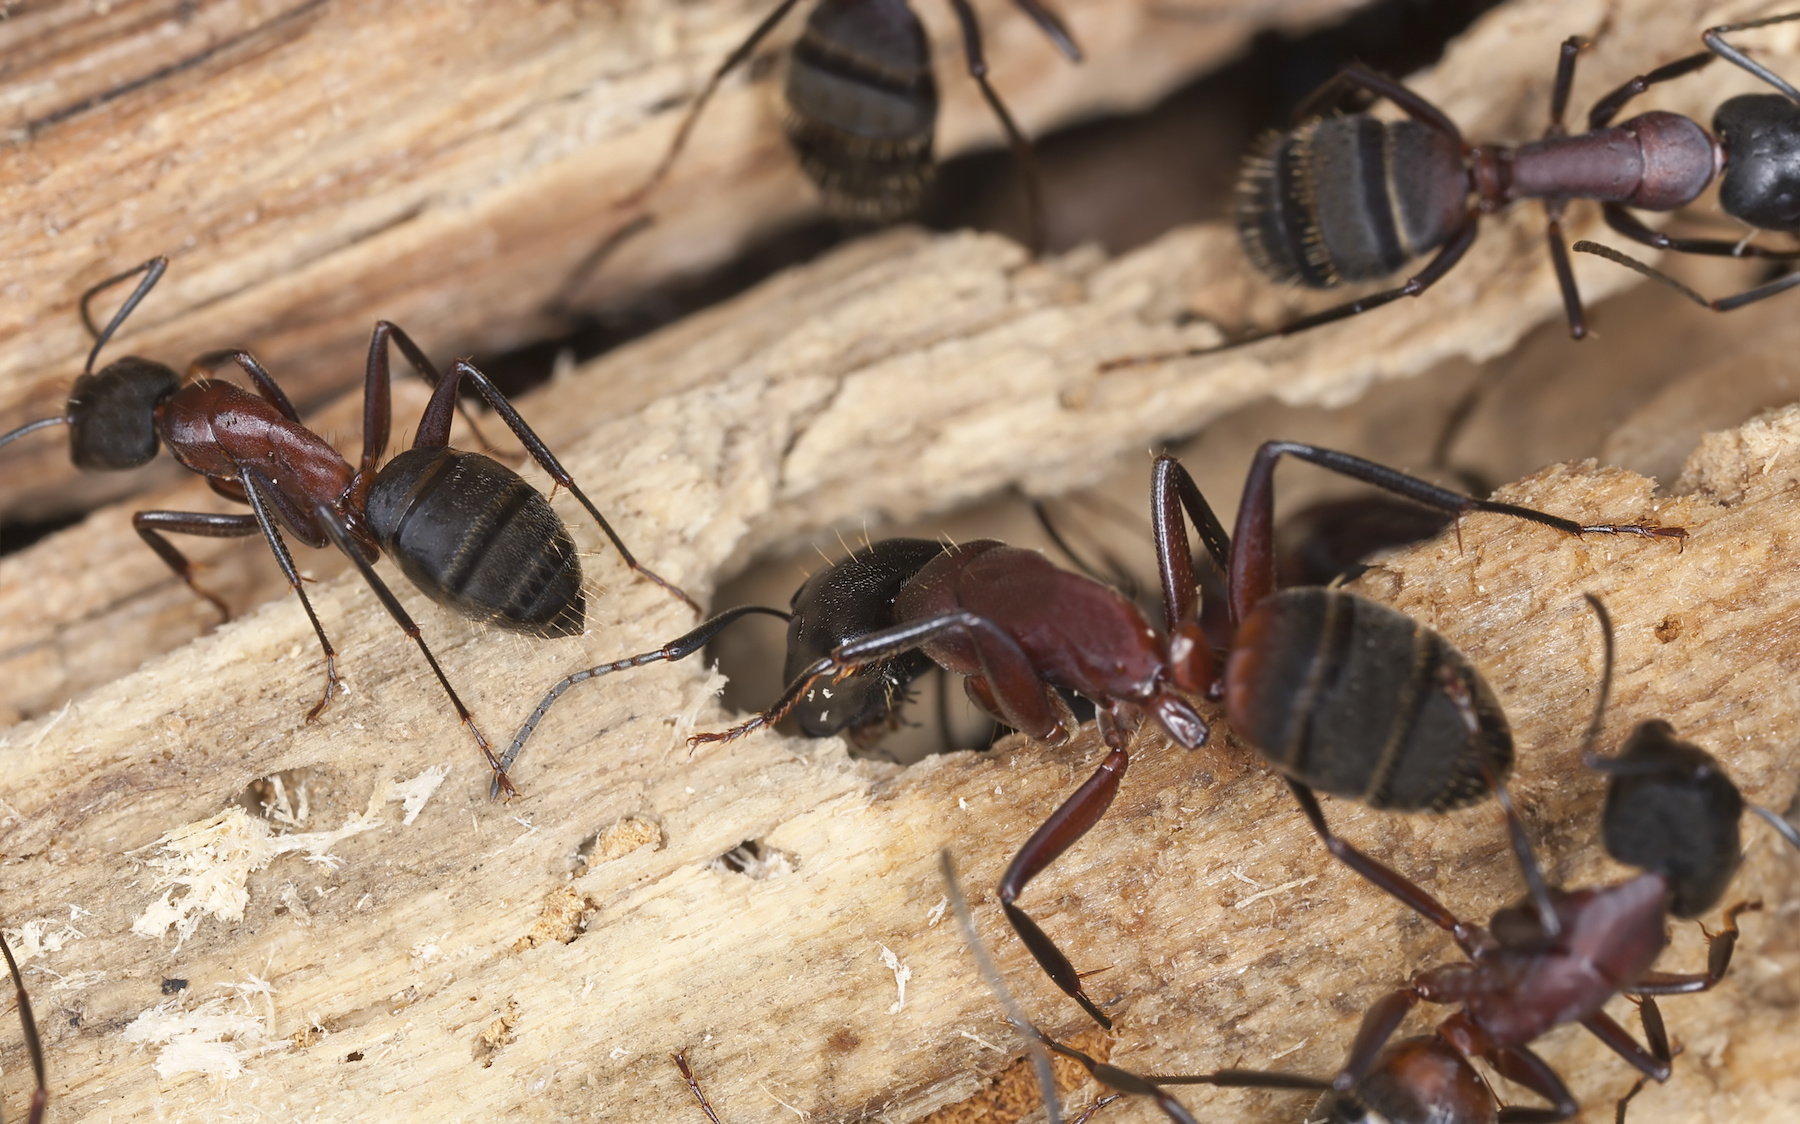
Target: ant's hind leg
150 526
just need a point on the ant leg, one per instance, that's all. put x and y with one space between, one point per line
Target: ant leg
41 1096
1036 1041
1626 223
1774 819
1172 488
1360 77
681 1064
340 536
1565 81
677 649
152 271
540 452
151 524
1072 820
257 490
378 402
1021 148
1653 1063
1110 572
732 62
1516 1063
1052 26
265 382
1565 274
1715 42
1608 107
1719 947
1723 304
1252 570
1452 252
1018 691
1382 876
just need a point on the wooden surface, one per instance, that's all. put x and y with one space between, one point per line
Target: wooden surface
900 375
306 162
429 961
958 347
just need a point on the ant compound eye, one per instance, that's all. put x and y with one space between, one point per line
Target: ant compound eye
112 414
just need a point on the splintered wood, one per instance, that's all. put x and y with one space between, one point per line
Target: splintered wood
226 913
546 957
923 372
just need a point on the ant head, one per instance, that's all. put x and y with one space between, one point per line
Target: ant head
843 602
112 413
1671 810
1760 134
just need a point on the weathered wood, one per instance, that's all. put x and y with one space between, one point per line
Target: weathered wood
989 360
429 962
309 164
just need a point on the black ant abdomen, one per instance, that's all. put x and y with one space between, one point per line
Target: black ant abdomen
1350 697
1349 199
843 602
473 536
862 104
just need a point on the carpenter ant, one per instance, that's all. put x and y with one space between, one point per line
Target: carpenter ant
1402 721
862 103
468 531
1351 198
40 1097
1759 135
1521 980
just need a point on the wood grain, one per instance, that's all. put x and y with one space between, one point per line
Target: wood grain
432 960
309 164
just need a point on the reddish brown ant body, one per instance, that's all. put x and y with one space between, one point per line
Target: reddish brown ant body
467 530
1520 980
1338 692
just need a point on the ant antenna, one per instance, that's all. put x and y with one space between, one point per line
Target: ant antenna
152 271
1715 42
31 427
41 1096
1034 1038
1588 756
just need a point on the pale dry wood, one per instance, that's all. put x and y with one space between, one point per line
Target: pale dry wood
427 968
959 346
306 162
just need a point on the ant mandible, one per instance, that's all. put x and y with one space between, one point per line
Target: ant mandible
465 529
1670 810
1018 628
862 103
1353 198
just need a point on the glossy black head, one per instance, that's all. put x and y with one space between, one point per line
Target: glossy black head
863 106
1761 137
112 414
844 602
473 536
1671 810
